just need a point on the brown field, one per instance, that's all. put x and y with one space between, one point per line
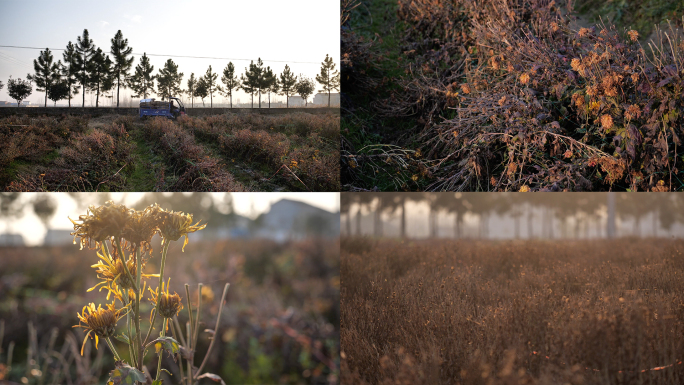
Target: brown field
230 152
512 312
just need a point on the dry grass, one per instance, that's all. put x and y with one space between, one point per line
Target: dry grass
472 312
308 144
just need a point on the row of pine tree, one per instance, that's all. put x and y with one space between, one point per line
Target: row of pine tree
87 68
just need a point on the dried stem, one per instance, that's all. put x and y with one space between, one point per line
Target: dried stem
218 320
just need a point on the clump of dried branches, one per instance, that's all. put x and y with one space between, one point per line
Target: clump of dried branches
508 97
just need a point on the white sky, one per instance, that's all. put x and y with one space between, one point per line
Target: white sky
298 33
247 204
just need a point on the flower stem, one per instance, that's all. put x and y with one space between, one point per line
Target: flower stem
161 279
126 301
116 355
137 306
123 260
131 351
161 352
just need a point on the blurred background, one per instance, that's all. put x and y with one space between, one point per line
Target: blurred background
278 251
513 215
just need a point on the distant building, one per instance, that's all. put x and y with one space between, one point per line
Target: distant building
11 240
296 101
288 219
322 99
24 103
58 238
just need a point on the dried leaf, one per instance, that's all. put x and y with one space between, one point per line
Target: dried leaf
212 377
125 374
167 343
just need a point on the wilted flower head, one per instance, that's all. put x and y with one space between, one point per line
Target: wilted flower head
167 305
141 227
633 35
175 224
101 223
524 78
101 321
606 121
633 111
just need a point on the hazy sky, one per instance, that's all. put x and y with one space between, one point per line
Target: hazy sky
247 204
298 33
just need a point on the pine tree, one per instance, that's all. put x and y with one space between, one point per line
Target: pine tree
272 84
101 76
123 62
287 84
142 82
169 80
202 89
230 81
70 70
210 81
246 84
45 69
85 49
305 88
329 78
1 85
258 73
192 85
58 90
19 89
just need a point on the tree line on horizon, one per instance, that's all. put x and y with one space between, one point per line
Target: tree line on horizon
88 68
587 209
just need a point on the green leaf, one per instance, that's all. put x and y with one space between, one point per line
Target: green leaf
123 338
125 374
157 382
166 343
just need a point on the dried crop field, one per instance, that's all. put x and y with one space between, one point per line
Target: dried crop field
280 320
512 95
241 152
512 312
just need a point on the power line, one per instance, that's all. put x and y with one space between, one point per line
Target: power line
181 56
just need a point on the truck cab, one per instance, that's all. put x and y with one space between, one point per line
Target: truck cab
171 109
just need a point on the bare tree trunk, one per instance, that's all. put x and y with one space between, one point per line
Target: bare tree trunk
610 223
529 221
403 217
516 222
377 223
457 226
348 223
358 221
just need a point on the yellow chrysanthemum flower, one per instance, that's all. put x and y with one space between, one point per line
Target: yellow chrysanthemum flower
176 224
167 305
101 321
101 223
112 271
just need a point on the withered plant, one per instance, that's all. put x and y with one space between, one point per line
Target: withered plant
122 237
508 95
512 312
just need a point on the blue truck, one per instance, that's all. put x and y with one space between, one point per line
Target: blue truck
171 108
